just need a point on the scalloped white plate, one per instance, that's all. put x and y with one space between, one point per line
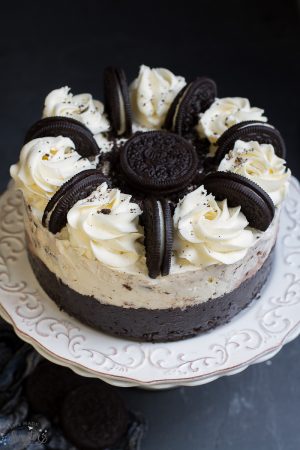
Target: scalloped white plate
255 335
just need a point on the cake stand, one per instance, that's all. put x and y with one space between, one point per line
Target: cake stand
253 336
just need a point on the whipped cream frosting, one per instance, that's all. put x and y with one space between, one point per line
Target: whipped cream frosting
209 232
104 144
81 107
224 113
45 164
105 226
152 93
260 163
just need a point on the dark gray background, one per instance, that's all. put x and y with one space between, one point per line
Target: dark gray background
251 49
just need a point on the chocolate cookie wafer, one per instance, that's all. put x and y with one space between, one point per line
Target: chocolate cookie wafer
158 162
193 99
117 103
158 229
250 130
255 203
77 188
94 417
47 386
82 137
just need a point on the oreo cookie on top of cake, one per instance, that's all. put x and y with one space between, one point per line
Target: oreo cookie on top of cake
152 215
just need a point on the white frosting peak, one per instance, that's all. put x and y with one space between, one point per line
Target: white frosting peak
105 226
81 107
260 163
224 113
45 164
152 93
209 232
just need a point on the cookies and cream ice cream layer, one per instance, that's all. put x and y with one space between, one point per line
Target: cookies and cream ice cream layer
185 286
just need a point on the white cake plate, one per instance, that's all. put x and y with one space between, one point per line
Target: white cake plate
255 335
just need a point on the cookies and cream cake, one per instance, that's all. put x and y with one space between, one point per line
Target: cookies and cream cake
152 216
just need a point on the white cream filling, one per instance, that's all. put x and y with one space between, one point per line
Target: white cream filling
264 124
162 233
122 128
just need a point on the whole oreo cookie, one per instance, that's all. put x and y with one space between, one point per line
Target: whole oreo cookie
94 417
158 162
250 130
82 137
255 203
117 103
193 99
158 229
77 188
47 386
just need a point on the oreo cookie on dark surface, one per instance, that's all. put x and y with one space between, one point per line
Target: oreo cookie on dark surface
82 137
158 162
158 231
117 103
255 203
250 130
193 99
94 417
77 188
47 386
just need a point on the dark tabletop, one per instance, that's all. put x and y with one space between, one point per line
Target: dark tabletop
252 49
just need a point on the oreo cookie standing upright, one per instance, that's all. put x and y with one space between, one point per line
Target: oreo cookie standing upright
158 231
117 102
193 99
82 137
250 130
255 203
77 188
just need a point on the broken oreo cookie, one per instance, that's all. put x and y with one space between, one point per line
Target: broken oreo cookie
77 188
117 103
255 203
158 230
158 162
193 99
82 137
250 130
94 417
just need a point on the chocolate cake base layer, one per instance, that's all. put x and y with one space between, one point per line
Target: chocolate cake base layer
156 325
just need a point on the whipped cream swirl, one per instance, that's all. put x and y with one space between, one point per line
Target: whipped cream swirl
45 164
224 113
152 93
209 232
105 226
260 163
81 107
